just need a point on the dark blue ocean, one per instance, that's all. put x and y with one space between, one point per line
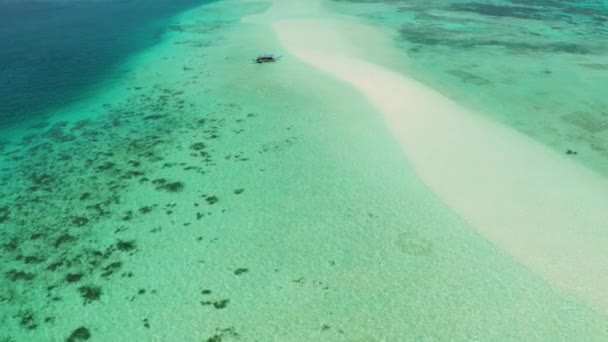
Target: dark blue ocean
53 51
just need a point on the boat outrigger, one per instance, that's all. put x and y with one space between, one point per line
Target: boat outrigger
267 58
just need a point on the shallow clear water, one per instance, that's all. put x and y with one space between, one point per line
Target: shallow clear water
201 197
539 66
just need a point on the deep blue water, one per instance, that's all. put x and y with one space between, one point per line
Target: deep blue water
53 51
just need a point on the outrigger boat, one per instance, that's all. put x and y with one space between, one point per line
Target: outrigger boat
267 58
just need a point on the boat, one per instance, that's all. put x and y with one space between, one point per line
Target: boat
266 58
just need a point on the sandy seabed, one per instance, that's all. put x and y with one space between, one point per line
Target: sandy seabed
326 197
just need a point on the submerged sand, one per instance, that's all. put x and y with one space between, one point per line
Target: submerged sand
546 210
326 197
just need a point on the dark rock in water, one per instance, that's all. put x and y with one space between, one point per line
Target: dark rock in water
197 146
14 275
154 117
27 320
106 166
221 333
240 271
36 236
125 246
90 293
80 334
128 215
4 212
32 259
160 181
111 268
73 277
571 152
55 265
145 210
11 244
221 304
171 187
63 239
238 191
215 338
80 221
212 200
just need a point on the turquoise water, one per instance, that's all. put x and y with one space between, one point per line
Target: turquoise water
201 197
539 66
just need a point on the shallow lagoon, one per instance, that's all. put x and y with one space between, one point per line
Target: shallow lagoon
539 66
149 212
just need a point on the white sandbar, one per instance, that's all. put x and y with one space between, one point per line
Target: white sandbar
547 211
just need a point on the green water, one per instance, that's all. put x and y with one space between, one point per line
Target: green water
206 198
539 66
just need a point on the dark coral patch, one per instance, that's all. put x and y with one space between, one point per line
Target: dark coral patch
106 166
56 188
90 293
36 236
125 246
111 268
63 238
73 277
11 245
240 271
80 334
153 117
145 210
212 200
171 187
27 320
32 259
55 265
198 146
14 275
4 214
221 333
80 221
220 304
